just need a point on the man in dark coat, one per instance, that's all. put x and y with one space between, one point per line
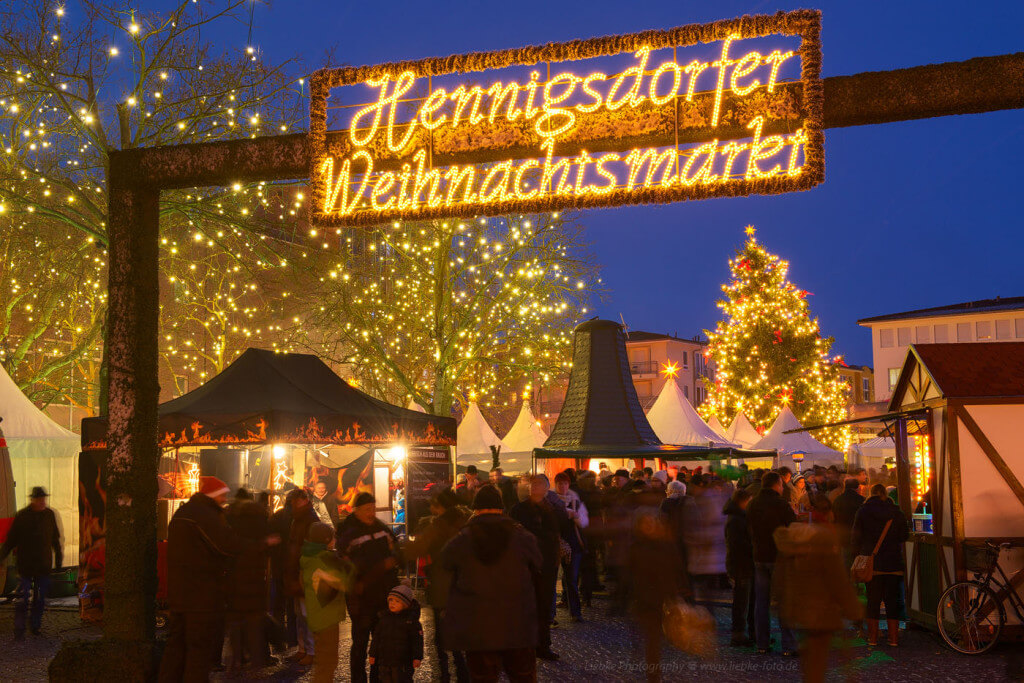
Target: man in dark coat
372 549
739 564
545 519
200 546
447 518
36 538
767 512
507 487
492 611
844 510
887 584
247 585
302 518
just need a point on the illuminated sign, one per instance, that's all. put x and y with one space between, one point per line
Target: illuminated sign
723 109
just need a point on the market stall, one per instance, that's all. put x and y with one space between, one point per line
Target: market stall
742 432
268 422
476 439
796 448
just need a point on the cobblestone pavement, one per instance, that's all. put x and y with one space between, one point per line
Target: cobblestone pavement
601 649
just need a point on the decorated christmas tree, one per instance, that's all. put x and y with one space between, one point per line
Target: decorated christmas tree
768 351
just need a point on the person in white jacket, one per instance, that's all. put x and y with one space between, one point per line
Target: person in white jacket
579 519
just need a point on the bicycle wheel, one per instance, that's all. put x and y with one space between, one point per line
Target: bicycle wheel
969 617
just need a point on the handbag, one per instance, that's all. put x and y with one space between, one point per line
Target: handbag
863 568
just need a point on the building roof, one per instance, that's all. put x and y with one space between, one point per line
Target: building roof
978 370
982 306
641 336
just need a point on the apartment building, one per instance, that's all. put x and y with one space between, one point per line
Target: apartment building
861 380
988 320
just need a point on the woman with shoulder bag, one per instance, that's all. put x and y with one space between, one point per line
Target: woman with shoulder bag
879 532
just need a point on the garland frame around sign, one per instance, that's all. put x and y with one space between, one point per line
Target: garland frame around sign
803 23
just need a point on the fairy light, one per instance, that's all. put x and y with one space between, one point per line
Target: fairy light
192 481
768 351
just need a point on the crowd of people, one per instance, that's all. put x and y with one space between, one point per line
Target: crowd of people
500 555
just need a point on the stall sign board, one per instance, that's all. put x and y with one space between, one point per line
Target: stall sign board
429 470
728 108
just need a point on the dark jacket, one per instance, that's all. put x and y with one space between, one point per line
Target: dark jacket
368 547
330 503
247 578
492 604
200 550
546 521
673 510
810 581
867 527
739 551
844 510
766 513
656 574
36 538
509 496
280 524
431 538
301 521
398 638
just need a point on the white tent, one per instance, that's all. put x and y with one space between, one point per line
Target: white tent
872 453
474 440
675 421
717 427
525 435
42 454
742 432
815 452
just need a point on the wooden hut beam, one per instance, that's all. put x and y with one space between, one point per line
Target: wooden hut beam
993 455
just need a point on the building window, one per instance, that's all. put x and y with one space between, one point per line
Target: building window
963 332
1003 329
983 328
894 376
885 338
923 334
903 336
941 334
1018 326
867 389
686 359
686 391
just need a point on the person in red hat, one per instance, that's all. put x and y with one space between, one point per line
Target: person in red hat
200 545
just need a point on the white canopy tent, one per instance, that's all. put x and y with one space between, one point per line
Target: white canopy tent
815 452
872 454
525 435
42 454
717 427
675 421
474 440
742 432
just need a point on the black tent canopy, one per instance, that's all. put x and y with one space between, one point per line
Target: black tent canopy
265 397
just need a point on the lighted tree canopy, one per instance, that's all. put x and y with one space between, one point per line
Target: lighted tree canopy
241 266
768 351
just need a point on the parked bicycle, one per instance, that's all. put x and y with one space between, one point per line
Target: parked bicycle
971 614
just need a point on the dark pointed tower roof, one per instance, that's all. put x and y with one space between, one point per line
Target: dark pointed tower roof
601 408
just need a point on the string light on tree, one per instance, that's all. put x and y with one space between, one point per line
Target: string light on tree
769 353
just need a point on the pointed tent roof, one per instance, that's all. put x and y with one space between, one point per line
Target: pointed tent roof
742 432
413 405
798 442
526 434
475 435
267 397
22 420
717 426
675 421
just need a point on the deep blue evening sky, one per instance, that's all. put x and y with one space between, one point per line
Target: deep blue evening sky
914 214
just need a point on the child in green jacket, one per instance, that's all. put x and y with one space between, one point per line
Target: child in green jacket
326 580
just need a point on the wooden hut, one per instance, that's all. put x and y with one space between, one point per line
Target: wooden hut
962 407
